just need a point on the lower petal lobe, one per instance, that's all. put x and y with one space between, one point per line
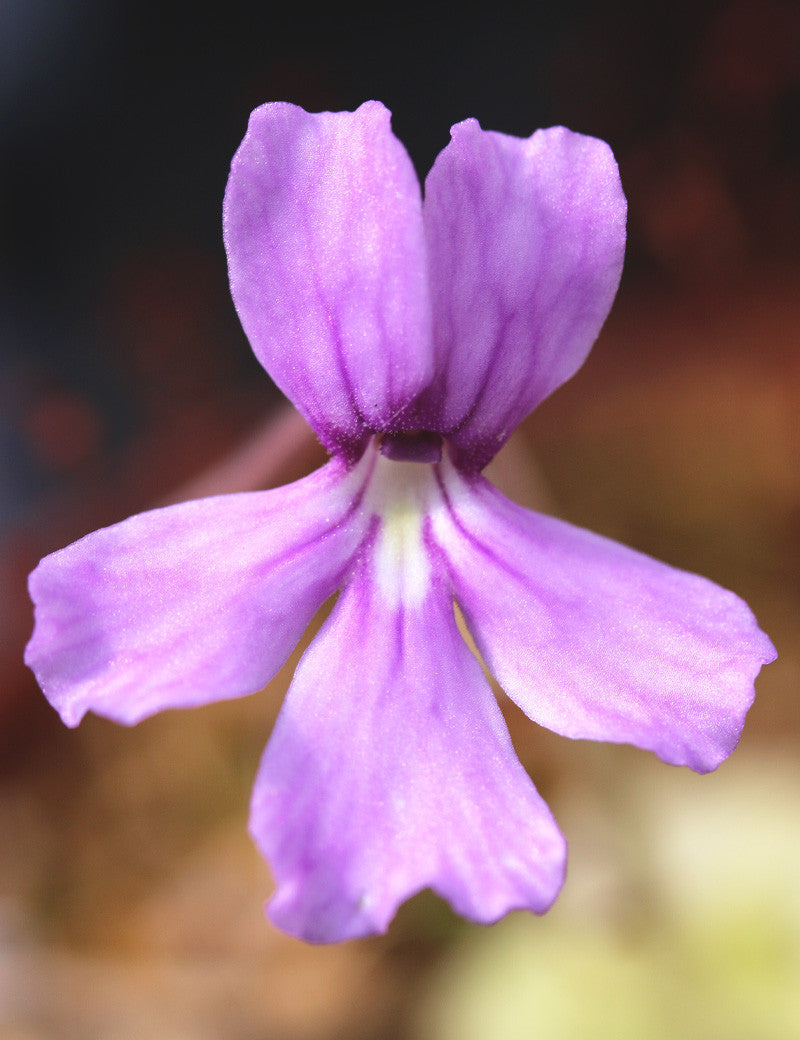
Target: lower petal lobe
594 640
390 770
193 603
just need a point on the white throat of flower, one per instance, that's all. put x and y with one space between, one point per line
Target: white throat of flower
402 495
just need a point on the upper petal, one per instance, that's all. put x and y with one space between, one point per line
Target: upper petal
594 640
326 255
390 769
192 603
526 241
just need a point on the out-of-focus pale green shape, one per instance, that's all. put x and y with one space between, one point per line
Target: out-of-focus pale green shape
706 943
520 983
731 840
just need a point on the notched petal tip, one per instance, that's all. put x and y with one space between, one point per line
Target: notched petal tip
38 651
271 112
392 771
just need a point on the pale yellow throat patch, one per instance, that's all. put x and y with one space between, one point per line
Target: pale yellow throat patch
401 495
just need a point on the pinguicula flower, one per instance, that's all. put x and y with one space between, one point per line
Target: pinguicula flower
413 336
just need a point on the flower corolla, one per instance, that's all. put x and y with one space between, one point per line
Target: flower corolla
413 336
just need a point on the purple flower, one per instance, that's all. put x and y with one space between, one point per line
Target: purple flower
413 336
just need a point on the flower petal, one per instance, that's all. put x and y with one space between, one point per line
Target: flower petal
326 254
526 240
594 640
193 603
390 769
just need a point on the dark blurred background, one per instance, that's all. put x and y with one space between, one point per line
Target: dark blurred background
124 377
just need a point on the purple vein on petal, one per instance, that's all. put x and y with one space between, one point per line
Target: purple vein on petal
597 641
397 772
195 602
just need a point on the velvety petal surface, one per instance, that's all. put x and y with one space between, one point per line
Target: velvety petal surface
322 223
594 640
526 239
390 769
192 603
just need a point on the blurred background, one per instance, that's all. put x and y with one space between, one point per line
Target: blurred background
130 895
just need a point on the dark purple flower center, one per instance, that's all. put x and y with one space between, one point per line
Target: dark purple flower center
412 446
